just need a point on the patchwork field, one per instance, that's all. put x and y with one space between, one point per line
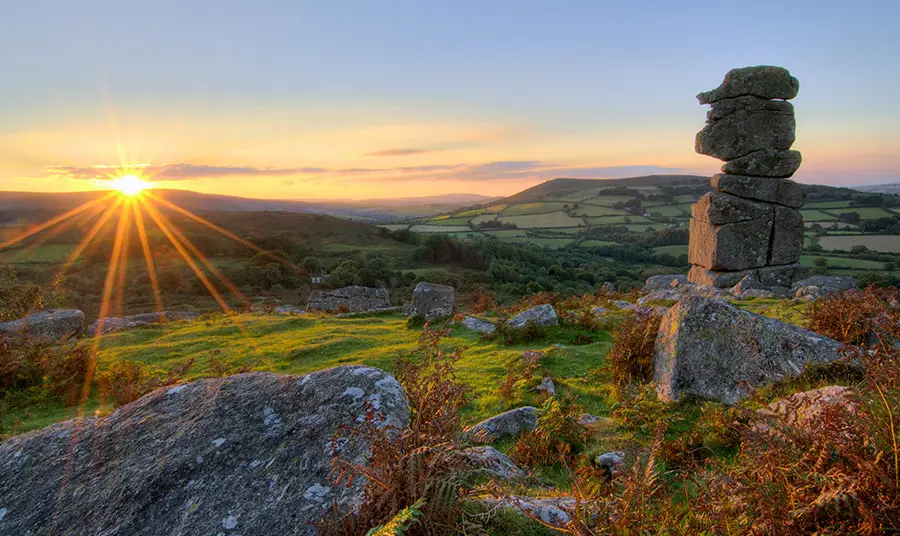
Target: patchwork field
549 220
885 243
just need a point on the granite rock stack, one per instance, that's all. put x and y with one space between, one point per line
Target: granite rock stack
750 223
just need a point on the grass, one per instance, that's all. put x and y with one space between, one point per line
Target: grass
449 222
672 250
608 200
298 345
549 220
537 241
531 208
816 215
613 220
45 254
597 210
506 233
483 218
669 211
882 243
865 213
842 262
439 228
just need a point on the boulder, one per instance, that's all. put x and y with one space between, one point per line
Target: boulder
432 302
710 349
812 292
611 461
730 247
781 191
780 276
748 282
288 310
541 315
512 422
481 326
806 409
349 299
608 286
765 163
593 421
115 324
787 237
717 278
551 511
764 81
664 282
494 462
836 282
598 310
547 386
51 324
740 126
249 454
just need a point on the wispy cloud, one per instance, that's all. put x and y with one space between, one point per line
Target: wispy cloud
398 152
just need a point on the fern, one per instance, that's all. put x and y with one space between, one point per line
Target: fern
400 523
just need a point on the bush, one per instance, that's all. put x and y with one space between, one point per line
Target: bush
557 437
126 381
631 359
59 369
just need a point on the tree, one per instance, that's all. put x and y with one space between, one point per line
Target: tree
312 265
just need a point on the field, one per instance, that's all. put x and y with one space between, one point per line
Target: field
884 243
45 254
597 210
531 208
843 262
549 220
296 345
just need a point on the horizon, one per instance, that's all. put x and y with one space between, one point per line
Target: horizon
355 102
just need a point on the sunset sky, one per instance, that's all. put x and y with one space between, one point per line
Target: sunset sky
395 98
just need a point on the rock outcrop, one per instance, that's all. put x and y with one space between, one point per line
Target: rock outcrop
52 324
512 422
248 454
541 315
113 324
710 349
349 300
804 411
478 325
432 301
751 222
493 461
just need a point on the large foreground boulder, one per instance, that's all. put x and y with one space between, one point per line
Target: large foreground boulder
52 324
349 300
710 349
248 454
432 301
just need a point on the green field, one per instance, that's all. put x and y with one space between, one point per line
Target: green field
451 222
45 254
841 262
672 250
539 241
549 220
865 213
483 218
298 345
423 228
612 220
531 208
816 215
596 210
828 204
883 243
505 233
608 200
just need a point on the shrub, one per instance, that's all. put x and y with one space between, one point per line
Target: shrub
631 359
17 300
419 467
859 317
59 368
126 381
482 302
557 437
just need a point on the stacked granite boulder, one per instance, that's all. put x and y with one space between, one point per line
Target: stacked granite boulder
750 224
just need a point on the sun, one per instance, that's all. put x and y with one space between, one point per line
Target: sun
129 185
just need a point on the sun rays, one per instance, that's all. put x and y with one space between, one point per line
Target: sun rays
130 208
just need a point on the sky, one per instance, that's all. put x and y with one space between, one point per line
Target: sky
394 98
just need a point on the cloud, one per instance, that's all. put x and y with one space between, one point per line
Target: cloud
288 182
398 152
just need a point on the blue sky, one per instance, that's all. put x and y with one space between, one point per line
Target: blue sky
387 98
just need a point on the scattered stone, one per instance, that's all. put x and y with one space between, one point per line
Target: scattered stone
805 410
664 282
512 422
116 324
550 510
547 386
51 324
611 461
349 299
622 304
608 286
765 163
532 357
593 421
599 311
367 312
494 462
478 325
836 282
541 315
748 282
288 310
780 191
251 452
713 350
432 301
660 295
764 81
812 292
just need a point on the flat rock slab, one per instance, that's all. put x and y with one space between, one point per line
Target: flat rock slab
349 299
787 237
738 127
806 409
764 81
249 454
478 325
432 301
765 163
664 282
729 247
770 276
781 191
52 324
713 350
835 282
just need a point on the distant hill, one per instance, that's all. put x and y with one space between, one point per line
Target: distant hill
890 188
562 187
372 210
